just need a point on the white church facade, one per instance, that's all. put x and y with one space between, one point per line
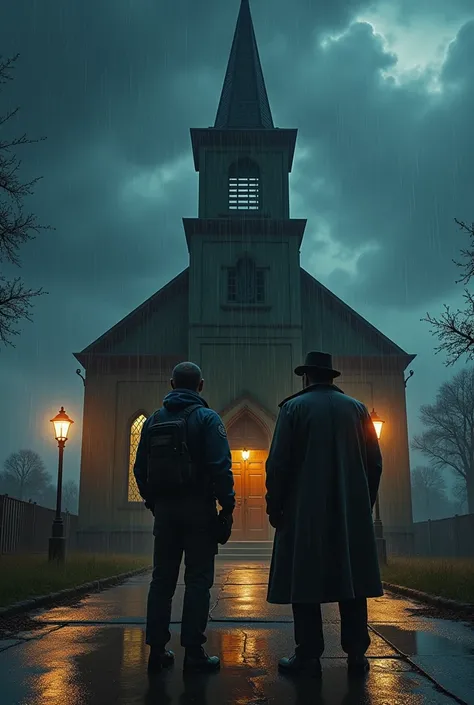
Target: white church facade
247 313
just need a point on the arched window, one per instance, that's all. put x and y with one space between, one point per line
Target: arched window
244 185
246 282
135 433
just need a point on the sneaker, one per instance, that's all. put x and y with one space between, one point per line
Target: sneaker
358 665
299 665
159 659
199 661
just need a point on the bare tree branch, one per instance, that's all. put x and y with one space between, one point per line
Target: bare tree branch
17 226
455 329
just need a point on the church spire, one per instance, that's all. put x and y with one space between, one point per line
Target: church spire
244 101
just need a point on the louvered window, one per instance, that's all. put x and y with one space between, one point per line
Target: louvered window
244 185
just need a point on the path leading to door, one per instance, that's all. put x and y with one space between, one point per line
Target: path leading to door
94 653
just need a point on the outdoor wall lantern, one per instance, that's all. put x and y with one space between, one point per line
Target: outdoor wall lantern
57 542
378 423
245 454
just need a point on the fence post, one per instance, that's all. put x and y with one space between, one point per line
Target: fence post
456 535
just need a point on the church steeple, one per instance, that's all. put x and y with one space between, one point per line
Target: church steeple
244 101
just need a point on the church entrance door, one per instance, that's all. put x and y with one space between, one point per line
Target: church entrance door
250 518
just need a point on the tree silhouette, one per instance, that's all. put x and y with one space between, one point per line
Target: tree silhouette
455 329
17 226
448 440
24 474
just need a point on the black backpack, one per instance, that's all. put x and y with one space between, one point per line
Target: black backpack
171 470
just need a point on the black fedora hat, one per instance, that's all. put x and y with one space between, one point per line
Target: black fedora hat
317 361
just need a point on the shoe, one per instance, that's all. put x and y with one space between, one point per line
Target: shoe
199 661
159 659
299 665
358 665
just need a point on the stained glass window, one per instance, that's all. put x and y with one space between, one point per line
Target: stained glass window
135 433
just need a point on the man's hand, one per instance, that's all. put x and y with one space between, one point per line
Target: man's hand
276 519
225 521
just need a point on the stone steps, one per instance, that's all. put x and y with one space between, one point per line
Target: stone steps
254 550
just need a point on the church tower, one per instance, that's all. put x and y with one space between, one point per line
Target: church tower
244 282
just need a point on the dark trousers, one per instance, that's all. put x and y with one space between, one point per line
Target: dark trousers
189 528
309 637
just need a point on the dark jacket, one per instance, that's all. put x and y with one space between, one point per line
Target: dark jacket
323 473
208 447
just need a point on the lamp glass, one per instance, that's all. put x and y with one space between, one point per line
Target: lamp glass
61 423
245 454
378 423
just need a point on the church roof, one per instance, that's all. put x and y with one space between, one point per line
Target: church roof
244 100
331 324
121 338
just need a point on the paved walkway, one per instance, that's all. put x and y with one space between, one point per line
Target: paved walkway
94 653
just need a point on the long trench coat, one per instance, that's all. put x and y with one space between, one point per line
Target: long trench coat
323 474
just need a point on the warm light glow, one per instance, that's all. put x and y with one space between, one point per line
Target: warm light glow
61 425
245 454
135 435
378 423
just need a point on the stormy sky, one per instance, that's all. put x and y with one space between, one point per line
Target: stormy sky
382 94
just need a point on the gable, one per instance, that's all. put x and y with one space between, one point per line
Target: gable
158 327
330 324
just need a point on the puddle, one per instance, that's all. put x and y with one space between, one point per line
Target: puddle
423 643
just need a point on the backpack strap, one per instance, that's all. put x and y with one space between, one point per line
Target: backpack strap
189 410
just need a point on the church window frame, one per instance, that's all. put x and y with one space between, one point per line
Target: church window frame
134 430
244 193
246 283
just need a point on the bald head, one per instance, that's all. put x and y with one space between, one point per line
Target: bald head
187 375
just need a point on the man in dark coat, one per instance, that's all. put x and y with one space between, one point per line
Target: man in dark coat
187 523
323 474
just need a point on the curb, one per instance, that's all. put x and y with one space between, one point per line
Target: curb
434 600
79 590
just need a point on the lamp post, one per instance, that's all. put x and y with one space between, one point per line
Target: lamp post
57 542
378 526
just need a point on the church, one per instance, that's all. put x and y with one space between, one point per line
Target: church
247 313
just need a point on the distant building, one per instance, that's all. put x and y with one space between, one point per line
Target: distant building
246 312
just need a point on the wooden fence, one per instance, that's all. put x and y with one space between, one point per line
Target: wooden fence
25 527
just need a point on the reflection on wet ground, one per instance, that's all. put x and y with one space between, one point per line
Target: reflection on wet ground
95 654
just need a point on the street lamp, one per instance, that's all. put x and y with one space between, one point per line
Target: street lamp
378 526
57 542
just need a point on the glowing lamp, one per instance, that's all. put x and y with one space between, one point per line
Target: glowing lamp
245 454
61 425
378 423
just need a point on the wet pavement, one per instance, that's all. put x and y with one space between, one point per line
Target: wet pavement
95 653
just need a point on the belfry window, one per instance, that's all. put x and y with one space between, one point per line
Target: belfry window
244 185
133 494
245 283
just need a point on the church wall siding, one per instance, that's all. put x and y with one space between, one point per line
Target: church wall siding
386 392
111 403
97 458
210 259
162 332
264 369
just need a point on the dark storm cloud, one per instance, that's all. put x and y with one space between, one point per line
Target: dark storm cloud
116 89
115 86
389 162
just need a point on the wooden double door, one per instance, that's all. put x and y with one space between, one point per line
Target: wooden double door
250 517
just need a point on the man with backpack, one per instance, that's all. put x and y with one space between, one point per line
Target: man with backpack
183 465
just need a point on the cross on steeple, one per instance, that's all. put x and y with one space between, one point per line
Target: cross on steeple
244 101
